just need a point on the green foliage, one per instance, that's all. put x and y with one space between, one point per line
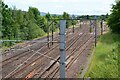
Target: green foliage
89 17
103 17
34 31
27 25
0 19
67 16
114 18
48 16
105 59
22 25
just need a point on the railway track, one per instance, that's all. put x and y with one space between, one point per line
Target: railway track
35 71
50 54
69 56
28 50
45 64
68 47
70 60
48 67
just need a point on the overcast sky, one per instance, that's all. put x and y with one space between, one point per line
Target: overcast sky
79 7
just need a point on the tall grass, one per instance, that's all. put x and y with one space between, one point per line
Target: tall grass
106 57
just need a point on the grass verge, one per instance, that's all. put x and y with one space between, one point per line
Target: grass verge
106 58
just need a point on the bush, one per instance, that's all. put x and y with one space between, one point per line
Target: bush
114 18
34 31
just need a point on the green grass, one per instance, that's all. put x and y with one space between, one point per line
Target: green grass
105 59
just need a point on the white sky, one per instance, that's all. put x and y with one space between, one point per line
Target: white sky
79 7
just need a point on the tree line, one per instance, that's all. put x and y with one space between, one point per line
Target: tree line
114 18
27 25
89 17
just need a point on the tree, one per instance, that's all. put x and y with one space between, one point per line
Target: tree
44 24
67 16
0 19
34 30
48 16
7 21
114 18
26 25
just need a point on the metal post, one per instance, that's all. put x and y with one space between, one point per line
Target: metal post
48 34
95 31
62 47
52 31
73 26
58 26
101 24
80 23
90 27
